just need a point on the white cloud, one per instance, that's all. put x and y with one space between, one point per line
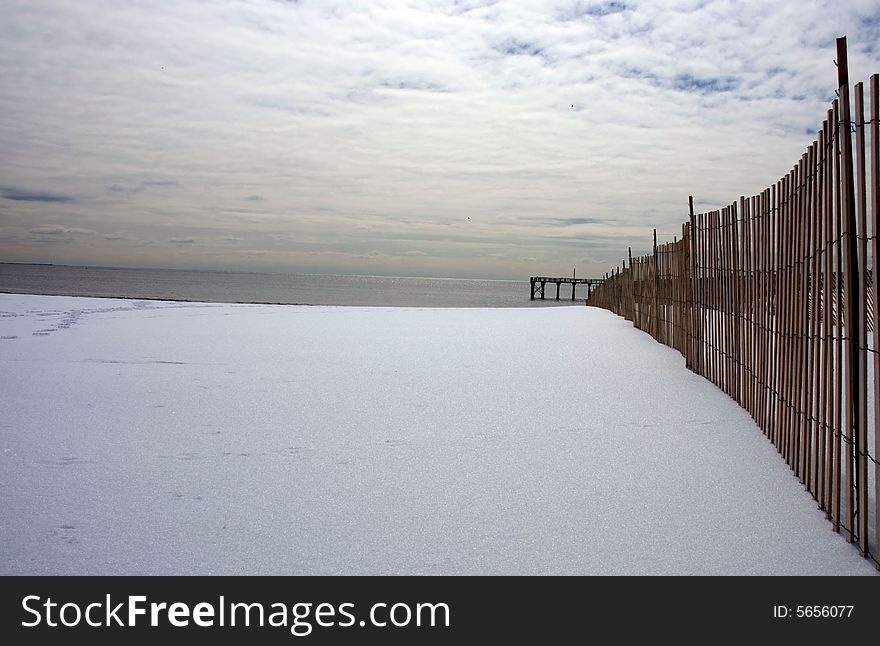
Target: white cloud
369 130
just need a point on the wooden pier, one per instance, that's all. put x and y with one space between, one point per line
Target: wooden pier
539 282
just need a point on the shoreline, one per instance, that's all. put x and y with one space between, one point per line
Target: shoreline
577 303
269 289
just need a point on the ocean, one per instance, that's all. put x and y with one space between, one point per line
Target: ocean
292 289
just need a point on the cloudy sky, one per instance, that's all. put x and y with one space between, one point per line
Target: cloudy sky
460 138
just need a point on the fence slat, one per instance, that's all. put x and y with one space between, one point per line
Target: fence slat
815 325
838 327
827 335
860 431
850 270
875 285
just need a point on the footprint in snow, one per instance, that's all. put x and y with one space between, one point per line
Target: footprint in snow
66 533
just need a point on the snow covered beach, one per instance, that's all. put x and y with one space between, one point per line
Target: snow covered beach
146 437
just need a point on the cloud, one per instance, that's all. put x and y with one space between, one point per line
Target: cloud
573 221
703 85
419 85
513 47
579 10
60 231
141 185
118 188
347 128
22 195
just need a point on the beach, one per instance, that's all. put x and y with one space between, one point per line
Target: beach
153 437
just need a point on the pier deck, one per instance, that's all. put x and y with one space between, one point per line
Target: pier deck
539 282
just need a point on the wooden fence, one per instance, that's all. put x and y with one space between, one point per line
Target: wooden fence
772 299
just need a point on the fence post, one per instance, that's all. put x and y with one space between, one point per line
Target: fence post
875 284
632 288
852 302
734 300
861 429
656 326
696 314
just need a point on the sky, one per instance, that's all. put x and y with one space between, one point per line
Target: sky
413 138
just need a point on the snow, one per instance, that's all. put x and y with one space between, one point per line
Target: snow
147 437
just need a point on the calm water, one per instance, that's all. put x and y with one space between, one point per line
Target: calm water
299 289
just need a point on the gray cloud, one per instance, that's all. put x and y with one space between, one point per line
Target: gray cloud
574 221
60 231
117 188
22 195
371 142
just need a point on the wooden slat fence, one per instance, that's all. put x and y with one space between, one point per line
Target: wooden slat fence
772 299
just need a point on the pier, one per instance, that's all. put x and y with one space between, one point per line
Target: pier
539 282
